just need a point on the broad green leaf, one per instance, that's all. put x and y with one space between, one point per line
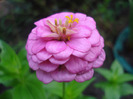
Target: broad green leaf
6 95
105 73
8 58
126 89
54 88
23 59
102 85
30 88
116 68
74 89
124 78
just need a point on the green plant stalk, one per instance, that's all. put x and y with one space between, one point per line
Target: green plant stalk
63 90
131 24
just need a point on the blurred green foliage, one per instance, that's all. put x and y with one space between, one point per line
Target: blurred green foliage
15 73
116 84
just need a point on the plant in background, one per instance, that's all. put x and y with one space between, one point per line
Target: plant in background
15 74
65 46
116 84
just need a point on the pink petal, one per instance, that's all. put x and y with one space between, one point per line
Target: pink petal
80 16
64 54
78 54
43 31
43 55
38 45
56 61
35 59
85 76
75 65
44 76
33 65
99 62
55 46
94 38
82 32
82 44
90 56
32 36
62 75
39 23
47 66
29 45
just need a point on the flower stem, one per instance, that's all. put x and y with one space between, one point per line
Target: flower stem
63 89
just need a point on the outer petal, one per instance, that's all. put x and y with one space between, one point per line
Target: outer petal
29 45
98 62
75 65
43 55
64 54
78 54
47 66
94 38
82 44
35 59
44 76
62 74
90 56
33 65
55 61
38 45
85 76
80 16
55 46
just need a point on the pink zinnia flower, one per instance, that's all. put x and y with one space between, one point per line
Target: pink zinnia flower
64 47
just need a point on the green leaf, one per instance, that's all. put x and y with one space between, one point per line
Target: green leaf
8 58
6 95
126 89
105 73
23 59
124 78
85 97
74 89
31 88
116 68
54 88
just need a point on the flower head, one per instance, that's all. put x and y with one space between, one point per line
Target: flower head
64 47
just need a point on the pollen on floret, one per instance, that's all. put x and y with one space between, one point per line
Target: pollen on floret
70 19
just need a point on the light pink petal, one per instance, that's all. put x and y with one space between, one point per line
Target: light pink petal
55 46
83 31
85 76
29 45
38 45
78 54
90 56
57 61
91 20
39 23
43 55
80 16
33 65
47 66
64 54
35 59
82 44
75 65
62 75
32 36
94 38
43 31
44 76
99 61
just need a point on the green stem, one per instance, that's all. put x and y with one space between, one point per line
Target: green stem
63 86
